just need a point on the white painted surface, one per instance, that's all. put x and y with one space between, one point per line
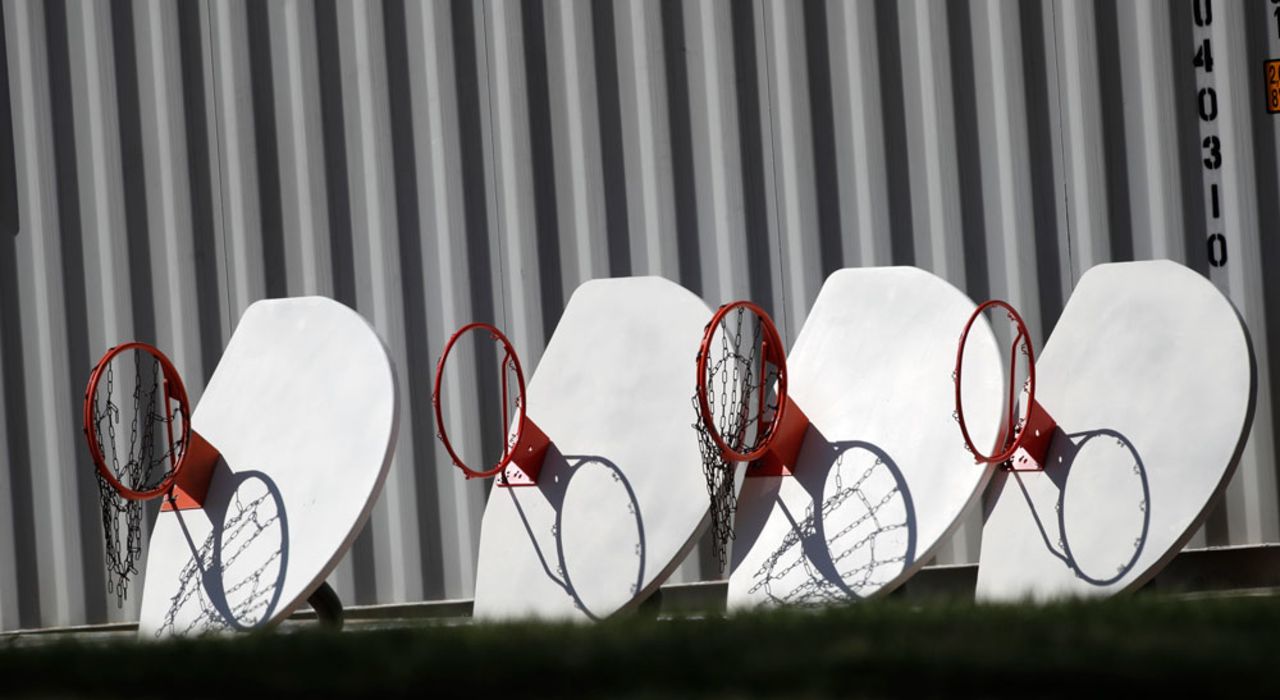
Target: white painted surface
883 475
302 408
621 498
1150 377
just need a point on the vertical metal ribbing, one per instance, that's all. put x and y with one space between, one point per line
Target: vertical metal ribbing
436 163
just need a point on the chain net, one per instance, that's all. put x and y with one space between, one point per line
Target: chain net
143 462
740 384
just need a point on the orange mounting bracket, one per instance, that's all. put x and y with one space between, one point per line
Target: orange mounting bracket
192 483
1032 440
780 457
526 457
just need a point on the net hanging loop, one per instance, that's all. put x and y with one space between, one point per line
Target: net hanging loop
524 446
1024 441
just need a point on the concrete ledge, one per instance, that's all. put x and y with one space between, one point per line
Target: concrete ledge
1240 570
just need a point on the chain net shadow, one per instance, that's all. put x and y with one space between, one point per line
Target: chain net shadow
848 544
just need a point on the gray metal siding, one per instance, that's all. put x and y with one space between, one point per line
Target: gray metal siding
432 163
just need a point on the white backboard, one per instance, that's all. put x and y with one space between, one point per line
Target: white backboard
883 475
302 408
1150 377
621 499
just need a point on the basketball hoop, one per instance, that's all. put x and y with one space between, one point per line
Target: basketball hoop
526 445
163 455
1025 439
743 411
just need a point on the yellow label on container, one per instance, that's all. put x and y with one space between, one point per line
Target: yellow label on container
1273 86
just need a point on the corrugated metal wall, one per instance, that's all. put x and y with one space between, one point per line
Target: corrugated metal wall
439 162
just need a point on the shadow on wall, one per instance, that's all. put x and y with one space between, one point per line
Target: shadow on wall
857 533
606 581
235 577
1076 455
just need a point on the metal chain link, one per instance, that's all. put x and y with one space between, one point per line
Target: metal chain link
734 382
139 471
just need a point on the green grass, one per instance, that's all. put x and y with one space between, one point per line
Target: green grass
875 649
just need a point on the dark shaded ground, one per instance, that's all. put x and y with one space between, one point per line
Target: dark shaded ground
1143 644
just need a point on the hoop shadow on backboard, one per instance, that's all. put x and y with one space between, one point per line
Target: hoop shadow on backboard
609 581
1074 455
236 574
857 532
